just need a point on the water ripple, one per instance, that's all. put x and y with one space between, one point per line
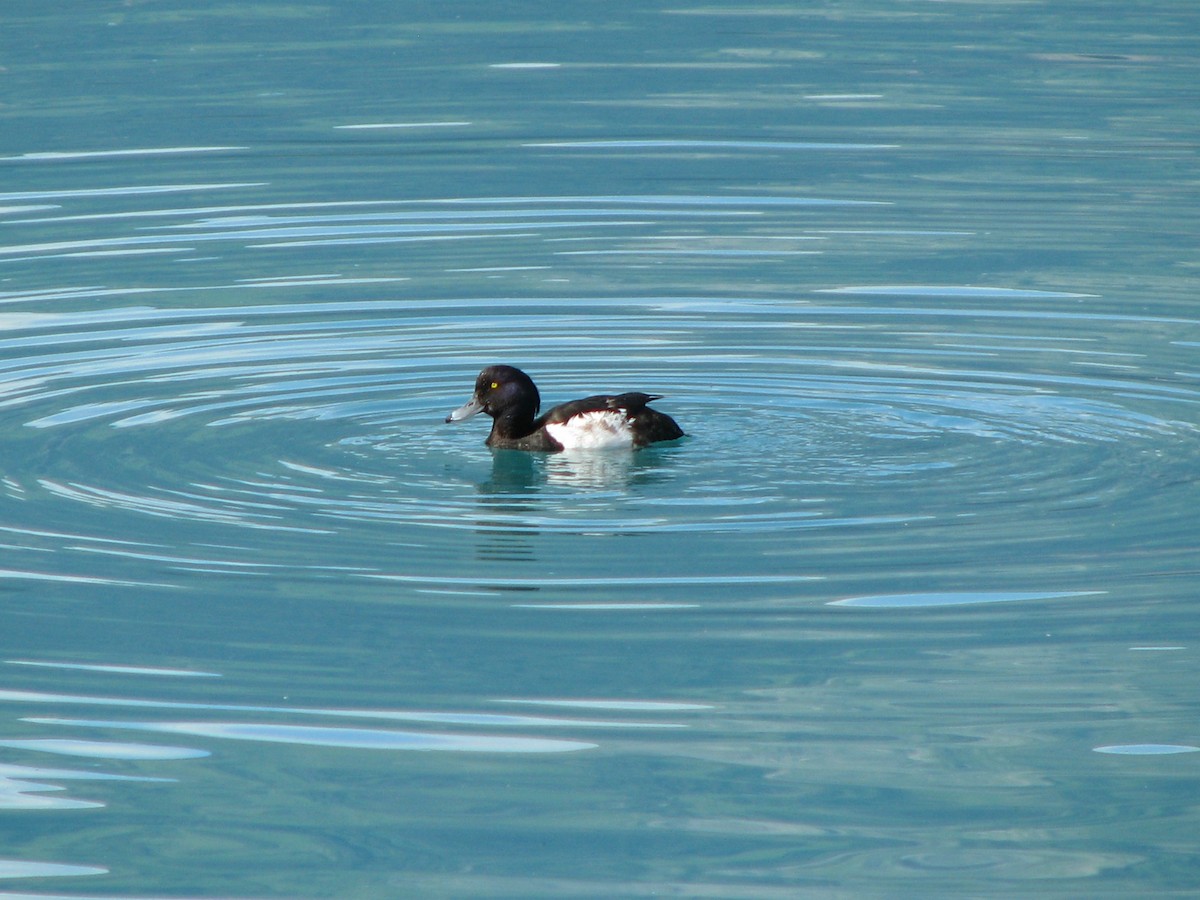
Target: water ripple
103 749
319 413
1147 749
16 868
909 601
350 738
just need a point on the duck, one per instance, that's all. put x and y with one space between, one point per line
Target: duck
599 422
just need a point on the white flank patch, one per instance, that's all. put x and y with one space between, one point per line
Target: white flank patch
601 429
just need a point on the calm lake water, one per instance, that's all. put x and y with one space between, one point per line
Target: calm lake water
910 612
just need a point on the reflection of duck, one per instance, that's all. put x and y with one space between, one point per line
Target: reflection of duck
578 469
603 421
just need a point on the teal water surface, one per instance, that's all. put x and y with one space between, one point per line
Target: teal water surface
909 612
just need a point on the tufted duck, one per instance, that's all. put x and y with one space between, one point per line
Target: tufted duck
604 421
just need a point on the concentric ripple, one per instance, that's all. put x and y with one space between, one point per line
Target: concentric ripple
309 405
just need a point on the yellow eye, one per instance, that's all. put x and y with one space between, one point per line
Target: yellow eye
494 385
